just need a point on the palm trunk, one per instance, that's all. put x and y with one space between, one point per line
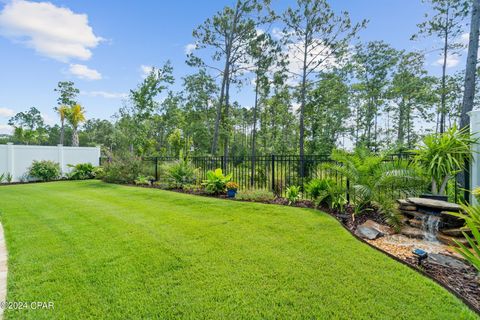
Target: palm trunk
75 142
62 132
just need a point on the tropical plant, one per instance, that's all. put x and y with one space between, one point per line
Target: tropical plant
2 177
181 173
216 181
327 192
231 185
294 194
444 155
471 216
44 170
122 169
62 113
9 177
143 180
75 115
375 182
82 171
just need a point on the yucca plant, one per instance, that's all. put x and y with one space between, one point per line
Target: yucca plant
375 182
444 155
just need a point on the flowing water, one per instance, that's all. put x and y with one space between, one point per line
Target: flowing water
430 224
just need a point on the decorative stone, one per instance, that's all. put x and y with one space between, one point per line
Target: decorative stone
405 205
435 204
456 232
450 240
367 232
446 261
415 223
412 232
379 227
450 222
413 214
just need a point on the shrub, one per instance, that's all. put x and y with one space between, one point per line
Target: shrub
216 181
293 194
44 170
327 192
181 173
122 169
82 171
193 188
255 195
143 180
444 155
232 185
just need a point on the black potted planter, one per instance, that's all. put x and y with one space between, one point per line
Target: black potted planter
434 197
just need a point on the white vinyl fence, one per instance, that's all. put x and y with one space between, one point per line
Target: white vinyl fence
475 166
16 159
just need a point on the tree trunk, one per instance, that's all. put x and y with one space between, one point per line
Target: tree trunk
254 133
62 131
444 71
75 137
219 112
401 129
302 108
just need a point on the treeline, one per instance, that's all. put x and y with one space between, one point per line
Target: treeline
314 88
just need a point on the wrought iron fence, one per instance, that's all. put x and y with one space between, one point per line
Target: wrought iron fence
273 172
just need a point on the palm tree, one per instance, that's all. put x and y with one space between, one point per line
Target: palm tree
62 112
74 116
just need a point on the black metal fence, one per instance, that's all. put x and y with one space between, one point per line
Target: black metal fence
273 172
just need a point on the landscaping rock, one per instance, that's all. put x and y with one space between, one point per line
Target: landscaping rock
456 232
446 261
412 232
450 222
367 233
405 205
448 240
379 227
435 204
413 214
416 223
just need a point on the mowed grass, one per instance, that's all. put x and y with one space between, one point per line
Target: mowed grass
102 251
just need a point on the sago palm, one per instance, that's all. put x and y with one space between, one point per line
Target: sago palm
375 182
75 116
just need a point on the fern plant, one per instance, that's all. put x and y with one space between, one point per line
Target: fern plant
294 194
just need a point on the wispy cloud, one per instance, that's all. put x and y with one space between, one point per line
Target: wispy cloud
83 72
6 112
105 94
452 61
189 48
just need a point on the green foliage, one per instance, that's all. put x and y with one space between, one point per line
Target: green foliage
375 182
255 195
122 169
216 181
44 170
443 155
231 185
293 194
143 180
181 173
327 192
8 177
82 171
472 221
2 177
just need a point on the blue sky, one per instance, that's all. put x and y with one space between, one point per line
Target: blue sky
102 45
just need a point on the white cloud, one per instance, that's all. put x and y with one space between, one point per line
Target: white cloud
83 72
5 129
277 33
105 94
145 70
48 119
6 113
52 31
465 38
190 47
452 61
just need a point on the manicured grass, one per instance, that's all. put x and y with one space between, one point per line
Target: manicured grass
114 252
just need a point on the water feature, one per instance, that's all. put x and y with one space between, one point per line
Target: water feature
430 225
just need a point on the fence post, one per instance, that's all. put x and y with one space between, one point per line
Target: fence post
273 173
60 158
348 191
156 168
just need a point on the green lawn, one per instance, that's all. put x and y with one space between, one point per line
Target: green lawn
106 251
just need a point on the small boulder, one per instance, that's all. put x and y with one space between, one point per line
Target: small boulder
450 241
446 261
405 205
367 233
456 232
379 227
412 232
